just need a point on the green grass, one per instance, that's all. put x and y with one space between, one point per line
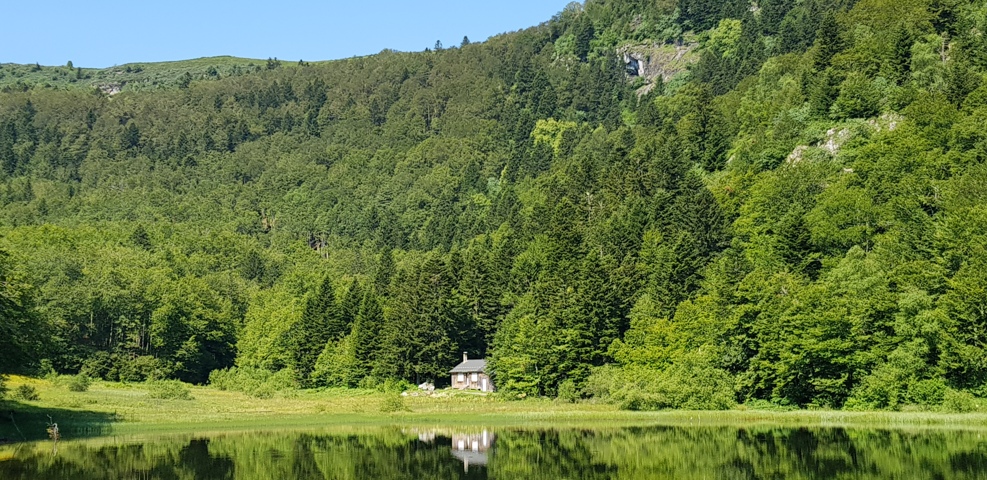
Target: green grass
131 76
127 409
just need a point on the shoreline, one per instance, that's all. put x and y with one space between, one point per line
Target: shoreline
110 409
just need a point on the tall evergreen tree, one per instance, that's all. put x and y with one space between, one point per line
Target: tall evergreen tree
367 332
828 42
320 323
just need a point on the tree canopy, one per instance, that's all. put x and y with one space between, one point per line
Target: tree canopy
799 217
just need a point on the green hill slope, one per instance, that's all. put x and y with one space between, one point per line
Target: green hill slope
131 76
779 202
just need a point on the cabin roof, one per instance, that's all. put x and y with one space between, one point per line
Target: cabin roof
470 366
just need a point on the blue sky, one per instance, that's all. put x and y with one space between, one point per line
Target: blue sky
103 34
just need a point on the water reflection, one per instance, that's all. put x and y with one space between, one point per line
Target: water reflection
627 453
472 448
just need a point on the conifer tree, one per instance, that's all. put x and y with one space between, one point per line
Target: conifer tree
319 323
366 332
828 42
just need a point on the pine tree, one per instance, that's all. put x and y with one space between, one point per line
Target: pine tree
349 308
366 332
131 136
318 325
481 293
828 42
584 33
823 90
384 271
900 63
185 81
421 321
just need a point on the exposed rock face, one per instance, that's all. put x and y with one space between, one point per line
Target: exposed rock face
834 140
651 61
110 88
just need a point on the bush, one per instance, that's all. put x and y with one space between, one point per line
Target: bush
168 390
3 385
121 367
759 404
26 392
568 392
46 369
74 383
899 381
142 368
257 382
78 383
392 385
337 366
604 382
859 97
393 403
959 401
100 365
691 383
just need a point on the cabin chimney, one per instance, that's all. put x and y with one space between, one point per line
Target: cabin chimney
465 358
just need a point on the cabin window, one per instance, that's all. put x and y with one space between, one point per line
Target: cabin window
461 378
474 377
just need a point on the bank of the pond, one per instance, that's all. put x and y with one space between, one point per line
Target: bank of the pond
108 408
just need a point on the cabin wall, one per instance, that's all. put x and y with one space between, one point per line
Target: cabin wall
472 381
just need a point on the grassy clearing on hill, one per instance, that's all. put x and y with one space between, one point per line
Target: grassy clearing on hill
130 76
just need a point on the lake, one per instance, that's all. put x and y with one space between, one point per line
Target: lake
506 453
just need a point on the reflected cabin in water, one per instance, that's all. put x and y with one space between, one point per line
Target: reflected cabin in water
472 448
471 375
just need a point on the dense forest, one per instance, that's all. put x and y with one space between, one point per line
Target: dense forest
799 217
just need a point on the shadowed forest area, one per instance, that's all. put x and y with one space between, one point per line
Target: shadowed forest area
798 218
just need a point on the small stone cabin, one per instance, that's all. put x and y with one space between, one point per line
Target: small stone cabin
471 375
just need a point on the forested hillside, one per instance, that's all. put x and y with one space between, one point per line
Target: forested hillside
799 218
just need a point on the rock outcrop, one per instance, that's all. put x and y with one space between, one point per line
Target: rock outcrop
653 61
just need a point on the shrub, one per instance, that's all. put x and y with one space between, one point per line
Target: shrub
859 97
391 385
604 382
26 392
393 403
337 366
257 382
46 369
959 401
168 390
121 367
691 383
223 379
385 384
99 365
899 381
74 383
3 385
777 406
568 392
142 368
78 383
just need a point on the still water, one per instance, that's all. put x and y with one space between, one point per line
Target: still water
623 453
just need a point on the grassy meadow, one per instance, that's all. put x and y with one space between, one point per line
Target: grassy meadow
131 76
111 408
